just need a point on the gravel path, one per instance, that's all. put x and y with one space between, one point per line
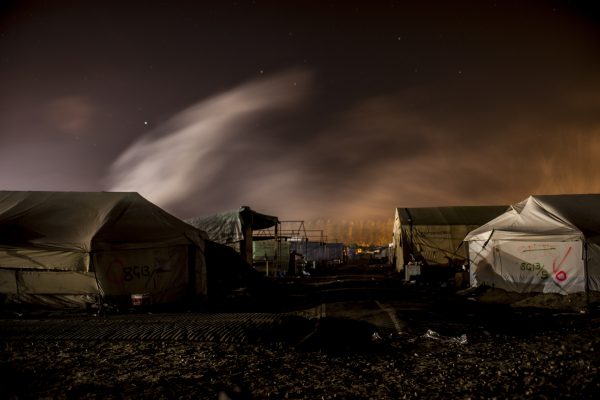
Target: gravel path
536 356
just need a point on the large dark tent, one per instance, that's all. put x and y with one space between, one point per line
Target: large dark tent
60 248
435 234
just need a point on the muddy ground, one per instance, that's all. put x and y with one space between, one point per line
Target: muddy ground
358 337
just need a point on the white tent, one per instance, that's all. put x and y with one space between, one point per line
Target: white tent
547 244
60 248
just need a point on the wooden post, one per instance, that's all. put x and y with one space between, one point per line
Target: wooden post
246 244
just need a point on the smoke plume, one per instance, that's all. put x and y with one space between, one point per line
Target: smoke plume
259 145
189 159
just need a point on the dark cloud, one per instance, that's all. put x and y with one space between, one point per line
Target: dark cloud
71 115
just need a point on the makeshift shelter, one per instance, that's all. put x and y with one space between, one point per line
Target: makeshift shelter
434 235
234 228
547 244
271 256
66 248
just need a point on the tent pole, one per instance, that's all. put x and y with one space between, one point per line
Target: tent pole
410 224
277 250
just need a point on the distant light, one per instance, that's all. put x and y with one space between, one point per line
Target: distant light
145 122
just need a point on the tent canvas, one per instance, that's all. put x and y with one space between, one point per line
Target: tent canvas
435 234
234 228
228 227
548 243
69 247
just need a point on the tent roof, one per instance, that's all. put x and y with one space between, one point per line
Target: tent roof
547 215
257 220
227 227
80 221
458 215
581 210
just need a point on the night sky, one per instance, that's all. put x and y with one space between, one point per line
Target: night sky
330 111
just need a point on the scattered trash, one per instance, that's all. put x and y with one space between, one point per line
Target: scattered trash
430 334
337 334
376 338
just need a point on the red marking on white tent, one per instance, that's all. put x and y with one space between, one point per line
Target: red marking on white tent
556 267
561 276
